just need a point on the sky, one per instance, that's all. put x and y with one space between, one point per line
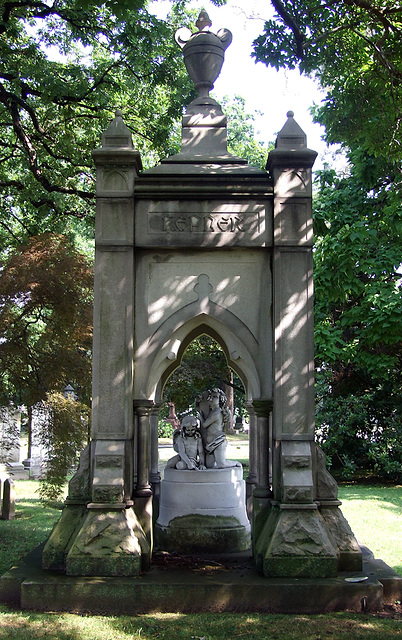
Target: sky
271 92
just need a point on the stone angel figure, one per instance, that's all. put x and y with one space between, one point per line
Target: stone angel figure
187 442
214 415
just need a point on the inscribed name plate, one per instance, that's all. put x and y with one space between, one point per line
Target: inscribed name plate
206 223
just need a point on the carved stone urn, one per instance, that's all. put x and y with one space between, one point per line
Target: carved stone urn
203 52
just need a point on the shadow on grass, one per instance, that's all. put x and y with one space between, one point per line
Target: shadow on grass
204 626
228 626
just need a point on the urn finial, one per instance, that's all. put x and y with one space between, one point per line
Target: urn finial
203 52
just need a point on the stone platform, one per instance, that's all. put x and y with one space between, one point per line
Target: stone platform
199 584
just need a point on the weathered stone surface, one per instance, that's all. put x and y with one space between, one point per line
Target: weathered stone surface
203 534
294 543
8 506
79 487
326 485
109 543
62 536
342 537
203 510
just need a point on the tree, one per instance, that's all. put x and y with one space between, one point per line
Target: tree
63 432
353 48
241 133
45 342
358 336
45 320
203 366
64 68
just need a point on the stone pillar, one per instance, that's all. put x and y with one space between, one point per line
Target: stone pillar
111 541
251 480
262 493
293 541
154 476
143 491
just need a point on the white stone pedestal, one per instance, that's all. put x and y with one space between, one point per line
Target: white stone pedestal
203 511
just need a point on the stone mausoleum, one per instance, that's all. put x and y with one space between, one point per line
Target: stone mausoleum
203 243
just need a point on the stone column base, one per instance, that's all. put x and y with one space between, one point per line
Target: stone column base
294 544
62 536
110 543
342 537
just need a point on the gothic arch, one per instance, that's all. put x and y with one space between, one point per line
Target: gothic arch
169 356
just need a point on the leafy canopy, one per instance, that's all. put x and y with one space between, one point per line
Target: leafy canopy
64 68
354 48
45 320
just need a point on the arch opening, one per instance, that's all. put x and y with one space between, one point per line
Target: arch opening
203 362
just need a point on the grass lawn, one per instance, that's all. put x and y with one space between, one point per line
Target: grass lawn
173 626
374 513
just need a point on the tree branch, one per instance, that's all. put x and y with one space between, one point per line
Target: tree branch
292 24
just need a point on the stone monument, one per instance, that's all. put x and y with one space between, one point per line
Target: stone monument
204 511
203 243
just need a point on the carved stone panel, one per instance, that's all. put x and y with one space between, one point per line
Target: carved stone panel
202 223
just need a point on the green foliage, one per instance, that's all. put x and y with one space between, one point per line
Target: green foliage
361 432
354 48
45 320
64 68
63 432
165 429
241 133
358 333
358 299
203 366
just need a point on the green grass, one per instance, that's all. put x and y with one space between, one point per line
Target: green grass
222 626
374 513
31 526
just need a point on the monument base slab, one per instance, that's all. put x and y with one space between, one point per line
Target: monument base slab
226 582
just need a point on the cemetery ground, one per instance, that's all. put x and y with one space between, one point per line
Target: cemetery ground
374 512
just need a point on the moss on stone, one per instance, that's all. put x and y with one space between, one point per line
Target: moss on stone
203 534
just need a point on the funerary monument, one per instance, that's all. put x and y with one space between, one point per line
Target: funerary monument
203 243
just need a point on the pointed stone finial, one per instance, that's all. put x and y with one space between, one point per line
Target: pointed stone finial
117 134
291 136
204 22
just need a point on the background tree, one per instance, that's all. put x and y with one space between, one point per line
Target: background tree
45 321
358 334
64 68
242 136
63 432
353 48
203 366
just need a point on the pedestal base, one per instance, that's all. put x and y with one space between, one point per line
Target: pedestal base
203 511
294 544
109 543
